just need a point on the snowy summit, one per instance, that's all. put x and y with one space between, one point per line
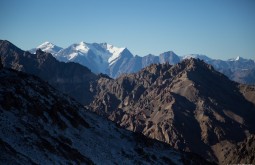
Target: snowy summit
47 47
97 56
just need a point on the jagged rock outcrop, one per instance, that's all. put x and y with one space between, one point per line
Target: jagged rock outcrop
189 105
70 78
39 125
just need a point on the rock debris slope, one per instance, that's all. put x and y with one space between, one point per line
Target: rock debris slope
39 125
189 105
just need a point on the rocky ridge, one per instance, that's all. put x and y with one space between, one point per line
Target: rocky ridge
189 105
39 125
70 78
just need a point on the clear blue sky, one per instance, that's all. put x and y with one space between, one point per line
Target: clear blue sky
218 28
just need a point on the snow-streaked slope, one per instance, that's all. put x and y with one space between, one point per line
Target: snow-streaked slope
238 58
82 47
115 51
106 51
96 56
39 125
47 47
74 50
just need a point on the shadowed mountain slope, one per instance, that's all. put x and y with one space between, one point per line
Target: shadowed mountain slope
71 78
39 125
188 105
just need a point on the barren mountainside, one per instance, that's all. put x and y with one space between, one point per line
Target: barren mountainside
189 105
39 125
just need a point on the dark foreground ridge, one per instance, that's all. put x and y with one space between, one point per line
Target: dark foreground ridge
39 125
70 78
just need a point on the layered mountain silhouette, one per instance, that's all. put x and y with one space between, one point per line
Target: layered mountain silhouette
114 61
71 78
40 125
189 105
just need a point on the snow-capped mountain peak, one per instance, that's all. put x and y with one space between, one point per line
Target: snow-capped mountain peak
106 51
97 56
238 58
46 44
115 51
82 47
47 47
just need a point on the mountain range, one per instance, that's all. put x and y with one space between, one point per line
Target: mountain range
40 125
114 61
70 78
189 105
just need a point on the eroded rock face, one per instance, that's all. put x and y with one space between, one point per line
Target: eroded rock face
243 152
189 105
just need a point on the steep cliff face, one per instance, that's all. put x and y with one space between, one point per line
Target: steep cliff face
189 105
71 78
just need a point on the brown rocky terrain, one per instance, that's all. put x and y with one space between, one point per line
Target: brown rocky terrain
40 125
189 105
248 92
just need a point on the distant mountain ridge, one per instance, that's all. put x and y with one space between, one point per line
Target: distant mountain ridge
97 57
114 61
